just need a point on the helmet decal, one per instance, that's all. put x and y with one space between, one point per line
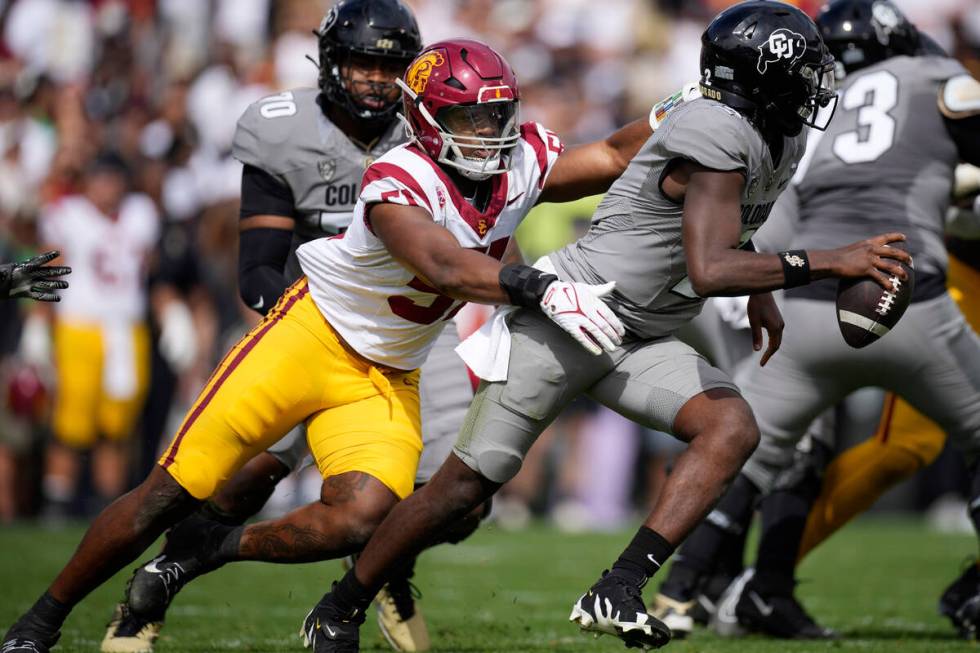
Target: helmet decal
328 20
495 94
884 19
418 74
782 44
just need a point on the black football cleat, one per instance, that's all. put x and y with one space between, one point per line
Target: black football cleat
961 602
24 645
614 606
190 551
325 631
29 635
778 615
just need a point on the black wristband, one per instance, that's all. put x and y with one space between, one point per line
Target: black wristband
796 268
524 285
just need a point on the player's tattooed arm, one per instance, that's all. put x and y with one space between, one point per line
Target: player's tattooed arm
712 230
591 169
434 254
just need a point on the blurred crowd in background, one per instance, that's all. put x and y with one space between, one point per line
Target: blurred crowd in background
113 97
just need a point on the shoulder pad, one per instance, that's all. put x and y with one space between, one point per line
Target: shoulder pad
270 125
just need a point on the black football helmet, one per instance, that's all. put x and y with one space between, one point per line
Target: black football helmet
766 59
366 28
860 33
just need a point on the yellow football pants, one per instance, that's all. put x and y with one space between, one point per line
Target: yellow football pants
82 410
905 442
293 368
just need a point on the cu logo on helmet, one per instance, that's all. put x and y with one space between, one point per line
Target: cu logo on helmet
782 44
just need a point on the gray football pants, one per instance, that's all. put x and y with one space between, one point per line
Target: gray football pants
646 381
445 393
931 359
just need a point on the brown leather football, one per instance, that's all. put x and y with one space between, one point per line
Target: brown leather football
866 311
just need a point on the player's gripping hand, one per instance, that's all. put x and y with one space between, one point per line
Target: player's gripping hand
578 309
33 278
873 258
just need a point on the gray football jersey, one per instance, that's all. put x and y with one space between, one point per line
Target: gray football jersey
885 164
287 136
635 235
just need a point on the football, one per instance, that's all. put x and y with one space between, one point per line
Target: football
866 311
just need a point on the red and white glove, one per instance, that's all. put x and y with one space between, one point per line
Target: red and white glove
578 309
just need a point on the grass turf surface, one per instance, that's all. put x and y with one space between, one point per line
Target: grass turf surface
877 582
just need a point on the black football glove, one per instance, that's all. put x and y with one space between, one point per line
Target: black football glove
32 278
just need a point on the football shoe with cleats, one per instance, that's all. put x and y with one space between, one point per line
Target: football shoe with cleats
399 614
327 630
960 602
190 551
129 633
777 614
614 606
676 615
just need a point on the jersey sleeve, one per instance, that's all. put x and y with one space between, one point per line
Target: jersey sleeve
546 147
708 134
247 145
389 183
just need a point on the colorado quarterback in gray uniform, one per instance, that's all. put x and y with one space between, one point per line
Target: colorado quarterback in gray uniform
907 116
304 152
674 228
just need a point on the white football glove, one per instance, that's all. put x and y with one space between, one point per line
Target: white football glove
178 337
578 309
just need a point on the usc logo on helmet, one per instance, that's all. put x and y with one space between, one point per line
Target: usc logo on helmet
421 69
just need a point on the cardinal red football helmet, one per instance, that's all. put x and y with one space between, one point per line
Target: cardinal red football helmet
462 106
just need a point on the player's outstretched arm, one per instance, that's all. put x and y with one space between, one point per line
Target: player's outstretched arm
715 265
33 278
591 169
431 252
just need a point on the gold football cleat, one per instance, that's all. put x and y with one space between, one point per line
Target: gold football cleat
127 633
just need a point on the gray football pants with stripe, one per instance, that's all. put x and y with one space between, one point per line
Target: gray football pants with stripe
445 393
931 359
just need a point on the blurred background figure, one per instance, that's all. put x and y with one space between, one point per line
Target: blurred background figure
96 339
161 83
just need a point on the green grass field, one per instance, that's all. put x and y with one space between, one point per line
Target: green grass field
877 583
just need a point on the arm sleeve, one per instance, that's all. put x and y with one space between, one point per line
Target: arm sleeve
262 255
263 194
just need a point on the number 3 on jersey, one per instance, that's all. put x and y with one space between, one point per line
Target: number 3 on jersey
873 96
442 307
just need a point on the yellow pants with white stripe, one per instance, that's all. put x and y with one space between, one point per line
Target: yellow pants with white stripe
905 442
83 411
290 369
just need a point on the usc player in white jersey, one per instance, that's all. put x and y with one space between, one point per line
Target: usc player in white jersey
101 341
341 349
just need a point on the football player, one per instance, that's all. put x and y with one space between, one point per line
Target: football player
96 337
672 230
33 278
340 350
304 152
908 116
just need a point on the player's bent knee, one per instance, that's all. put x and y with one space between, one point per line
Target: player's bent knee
162 500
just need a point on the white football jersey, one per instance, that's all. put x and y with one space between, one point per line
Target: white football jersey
386 313
107 254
